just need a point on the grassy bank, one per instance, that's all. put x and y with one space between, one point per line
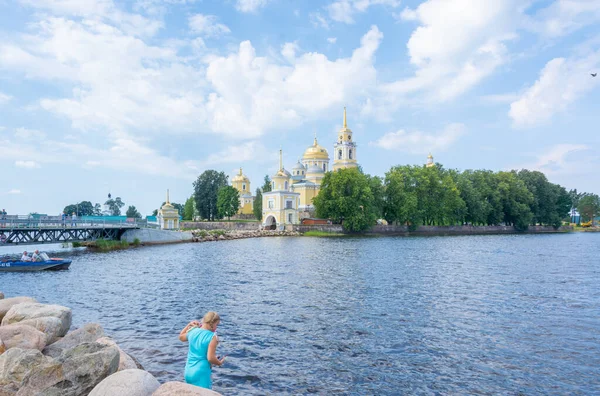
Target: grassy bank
322 234
107 245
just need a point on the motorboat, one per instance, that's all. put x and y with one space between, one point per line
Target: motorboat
53 264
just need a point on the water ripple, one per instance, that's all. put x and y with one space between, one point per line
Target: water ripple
444 315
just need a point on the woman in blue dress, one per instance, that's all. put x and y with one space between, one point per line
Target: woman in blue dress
203 350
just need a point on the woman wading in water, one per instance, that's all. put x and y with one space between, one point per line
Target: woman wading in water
203 349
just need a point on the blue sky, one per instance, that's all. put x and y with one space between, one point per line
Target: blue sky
138 96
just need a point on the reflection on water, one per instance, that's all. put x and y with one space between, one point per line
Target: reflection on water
442 315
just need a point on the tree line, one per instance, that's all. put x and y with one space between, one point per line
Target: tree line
419 195
85 208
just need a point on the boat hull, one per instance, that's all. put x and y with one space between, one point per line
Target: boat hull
49 265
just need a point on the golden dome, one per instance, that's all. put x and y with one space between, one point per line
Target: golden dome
316 152
240 177
430 156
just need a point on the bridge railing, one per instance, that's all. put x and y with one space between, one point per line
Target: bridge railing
13 222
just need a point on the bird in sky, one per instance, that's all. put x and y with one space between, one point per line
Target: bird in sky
594 74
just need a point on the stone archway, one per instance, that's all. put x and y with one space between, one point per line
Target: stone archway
270 223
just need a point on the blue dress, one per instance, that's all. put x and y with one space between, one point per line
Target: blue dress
197 367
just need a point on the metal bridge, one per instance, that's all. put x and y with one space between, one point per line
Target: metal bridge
17 231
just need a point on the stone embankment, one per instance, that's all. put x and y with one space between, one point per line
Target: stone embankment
39 356
224 235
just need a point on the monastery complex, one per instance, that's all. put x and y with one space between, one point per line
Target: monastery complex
291 197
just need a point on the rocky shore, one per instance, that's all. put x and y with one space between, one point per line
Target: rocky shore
224 235
39 355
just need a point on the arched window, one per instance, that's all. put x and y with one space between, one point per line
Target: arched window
244 186
272 185
286 185
339 154
324 170
350 154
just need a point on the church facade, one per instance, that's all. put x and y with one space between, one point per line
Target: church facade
292 192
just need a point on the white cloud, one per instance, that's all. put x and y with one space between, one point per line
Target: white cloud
332 40
29 134
419 142
105 10
562 81
288 50
207 26
500 98
563 17
252 93
4 98
568 164
14 191
457 44
344 10
250 5
27 164
248 151
318 20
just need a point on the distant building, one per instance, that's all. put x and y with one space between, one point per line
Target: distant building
280 205
241 183
429 161
168 216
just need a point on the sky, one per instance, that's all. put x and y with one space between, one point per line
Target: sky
137 97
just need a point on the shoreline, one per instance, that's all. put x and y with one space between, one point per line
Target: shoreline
41 354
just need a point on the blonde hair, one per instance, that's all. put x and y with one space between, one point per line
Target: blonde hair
211 318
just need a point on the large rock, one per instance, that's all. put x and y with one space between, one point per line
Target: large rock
22 336
2 347
28 372
132 382
25 311
85 366
181 389
49 325
1 296
88 333
126 362
6 304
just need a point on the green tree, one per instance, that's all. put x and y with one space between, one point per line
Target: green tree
206 190
401 205
97 210
114 206
228 202
377 189
189 209
575 197
83 208
132 212
516 200
257 205
346 197
589 206
267 185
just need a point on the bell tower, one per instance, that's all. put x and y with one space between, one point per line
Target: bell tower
344 149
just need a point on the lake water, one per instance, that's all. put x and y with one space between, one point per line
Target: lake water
383 315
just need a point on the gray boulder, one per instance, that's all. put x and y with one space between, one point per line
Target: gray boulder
126 362
88 333
28 372
85 366
25 311
23 337
6 304
49 325
1 296
180 389
131 382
